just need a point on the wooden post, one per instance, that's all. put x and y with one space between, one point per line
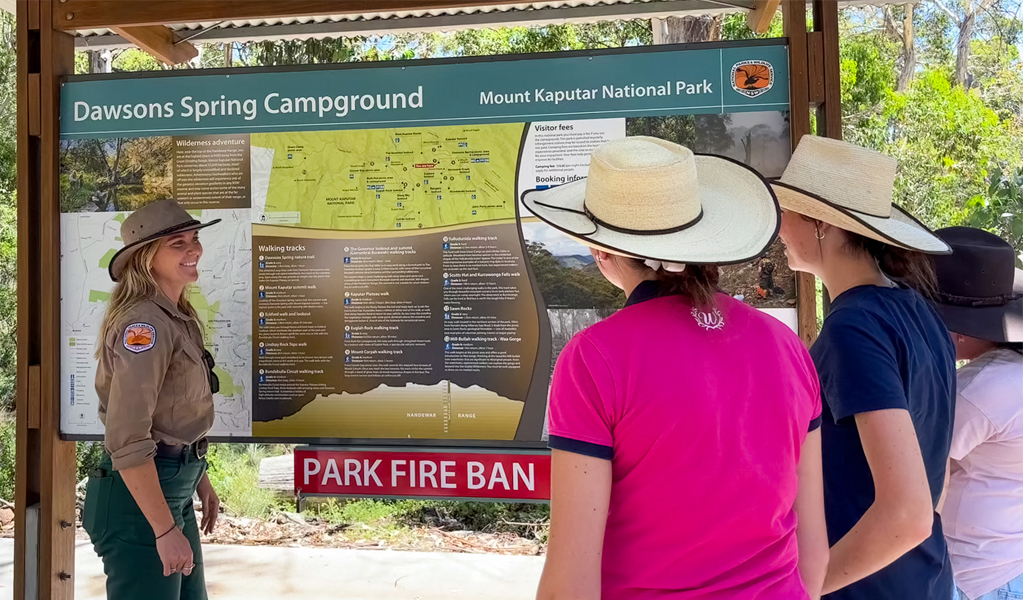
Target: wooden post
46 466
829 112
829 109
794 23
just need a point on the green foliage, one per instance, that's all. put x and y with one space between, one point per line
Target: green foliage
234 473
135 60
1000 210
392 519
8 448
8 214
549 38
89 455
301 52
944 137
868 71
998 77
733 27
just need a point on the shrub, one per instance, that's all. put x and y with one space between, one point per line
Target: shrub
8 448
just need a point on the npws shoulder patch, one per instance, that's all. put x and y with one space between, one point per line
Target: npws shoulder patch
139 337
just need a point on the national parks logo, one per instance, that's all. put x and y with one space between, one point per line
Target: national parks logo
752 78
139 337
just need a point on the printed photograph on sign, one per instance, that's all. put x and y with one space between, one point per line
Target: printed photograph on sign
102 182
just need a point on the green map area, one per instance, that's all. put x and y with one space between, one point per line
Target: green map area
207 313
390 179
207 316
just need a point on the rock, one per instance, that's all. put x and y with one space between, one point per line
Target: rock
6 516
294 518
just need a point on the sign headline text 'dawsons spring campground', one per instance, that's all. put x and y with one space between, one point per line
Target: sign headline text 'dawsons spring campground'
343 105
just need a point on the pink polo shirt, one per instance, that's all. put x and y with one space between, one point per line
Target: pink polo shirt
702 415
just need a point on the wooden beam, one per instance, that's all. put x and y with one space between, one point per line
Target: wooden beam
99 14
815 67
26 487
159 41
829 116
794 20
759 19
46 465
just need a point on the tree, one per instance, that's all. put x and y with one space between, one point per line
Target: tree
964 14
945 137
901 28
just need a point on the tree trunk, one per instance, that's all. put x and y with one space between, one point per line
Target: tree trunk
908 50
684 30
963 49
229 54
99 61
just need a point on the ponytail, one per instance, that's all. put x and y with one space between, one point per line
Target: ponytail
909 267
699 283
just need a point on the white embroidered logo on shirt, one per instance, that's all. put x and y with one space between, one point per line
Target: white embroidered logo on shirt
709 320
139 337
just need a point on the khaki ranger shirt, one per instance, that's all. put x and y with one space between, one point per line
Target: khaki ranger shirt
153 383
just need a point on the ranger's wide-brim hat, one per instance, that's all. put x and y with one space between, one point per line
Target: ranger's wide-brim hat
152 222
980 290
851 187
649 198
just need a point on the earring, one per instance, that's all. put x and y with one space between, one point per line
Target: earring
819 235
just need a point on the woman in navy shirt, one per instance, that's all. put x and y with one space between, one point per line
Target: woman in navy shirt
887 370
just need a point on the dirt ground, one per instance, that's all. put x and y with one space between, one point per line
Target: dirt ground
294 530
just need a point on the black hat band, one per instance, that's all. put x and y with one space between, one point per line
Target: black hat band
971 302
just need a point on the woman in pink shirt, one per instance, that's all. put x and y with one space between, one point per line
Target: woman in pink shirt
686 452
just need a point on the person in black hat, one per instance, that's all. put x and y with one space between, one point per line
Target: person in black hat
980 298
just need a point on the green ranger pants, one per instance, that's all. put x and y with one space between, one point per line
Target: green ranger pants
125 541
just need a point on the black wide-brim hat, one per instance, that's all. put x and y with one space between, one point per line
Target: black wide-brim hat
980 290
149 223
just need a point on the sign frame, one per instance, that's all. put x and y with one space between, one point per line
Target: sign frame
392 443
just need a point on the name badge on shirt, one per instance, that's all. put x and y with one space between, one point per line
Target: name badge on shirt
139 337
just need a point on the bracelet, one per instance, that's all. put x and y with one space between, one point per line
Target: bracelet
173 527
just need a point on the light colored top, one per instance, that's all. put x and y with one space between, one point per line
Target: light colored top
153 383
983 512
703 415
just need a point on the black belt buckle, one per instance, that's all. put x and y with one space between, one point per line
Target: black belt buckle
201 448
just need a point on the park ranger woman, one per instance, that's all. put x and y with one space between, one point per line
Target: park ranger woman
155 385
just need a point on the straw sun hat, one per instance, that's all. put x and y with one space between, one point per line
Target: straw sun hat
851 188
651 199
152 222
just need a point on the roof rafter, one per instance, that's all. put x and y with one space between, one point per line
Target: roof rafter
159 41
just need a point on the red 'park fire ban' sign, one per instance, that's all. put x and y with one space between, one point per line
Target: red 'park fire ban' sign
442 474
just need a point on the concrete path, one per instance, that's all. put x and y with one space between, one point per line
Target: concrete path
253 573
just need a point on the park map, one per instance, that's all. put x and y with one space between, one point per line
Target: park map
387 179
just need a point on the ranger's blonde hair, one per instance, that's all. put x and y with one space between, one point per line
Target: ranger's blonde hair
135 285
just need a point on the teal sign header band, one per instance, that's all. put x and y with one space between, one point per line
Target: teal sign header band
653 81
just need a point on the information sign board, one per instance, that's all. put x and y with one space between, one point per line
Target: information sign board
373 279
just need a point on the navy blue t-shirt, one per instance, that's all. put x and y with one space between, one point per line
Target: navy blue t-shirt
883 348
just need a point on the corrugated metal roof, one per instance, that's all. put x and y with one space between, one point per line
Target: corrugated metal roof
443 20
440 20
705 5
